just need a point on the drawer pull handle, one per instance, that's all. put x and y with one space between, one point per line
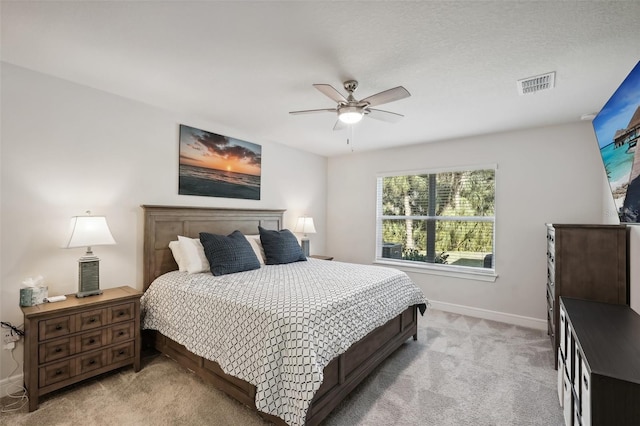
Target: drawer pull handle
121 313
92 341
58 327
92 320
93 361
58 372
121 333
121 352
58 350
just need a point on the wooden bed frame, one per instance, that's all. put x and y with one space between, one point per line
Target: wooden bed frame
163 224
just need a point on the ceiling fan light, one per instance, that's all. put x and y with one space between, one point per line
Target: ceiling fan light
350 115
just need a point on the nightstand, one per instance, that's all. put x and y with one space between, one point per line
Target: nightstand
76 339
318 256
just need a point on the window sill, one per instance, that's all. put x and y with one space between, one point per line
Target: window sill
488 275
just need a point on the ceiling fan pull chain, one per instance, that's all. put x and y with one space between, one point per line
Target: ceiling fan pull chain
351 137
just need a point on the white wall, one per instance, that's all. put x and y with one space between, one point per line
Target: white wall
67 148
544 175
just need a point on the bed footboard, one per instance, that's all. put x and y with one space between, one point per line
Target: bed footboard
346 371
341 375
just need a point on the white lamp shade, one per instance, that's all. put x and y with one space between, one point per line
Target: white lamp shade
305 225
87 231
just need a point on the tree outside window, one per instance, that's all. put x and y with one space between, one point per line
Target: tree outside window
444 218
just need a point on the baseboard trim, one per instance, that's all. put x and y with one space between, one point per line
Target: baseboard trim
519 320
10 380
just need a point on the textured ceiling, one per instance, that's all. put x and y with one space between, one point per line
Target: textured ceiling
244 64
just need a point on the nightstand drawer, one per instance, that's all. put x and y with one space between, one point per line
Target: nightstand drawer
56 327
55 373
91 361
55 349
91 319
121 313
78 338
121 332
120 352
91 340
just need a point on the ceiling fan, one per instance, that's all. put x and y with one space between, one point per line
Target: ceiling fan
350 110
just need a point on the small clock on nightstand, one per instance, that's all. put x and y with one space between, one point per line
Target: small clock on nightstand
317 256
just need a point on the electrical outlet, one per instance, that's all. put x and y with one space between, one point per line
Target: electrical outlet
10 337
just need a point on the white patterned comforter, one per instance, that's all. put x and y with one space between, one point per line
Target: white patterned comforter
277 327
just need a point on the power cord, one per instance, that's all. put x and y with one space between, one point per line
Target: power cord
14 390
13 328
18 392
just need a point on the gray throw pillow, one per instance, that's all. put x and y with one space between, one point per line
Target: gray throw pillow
280 246
228 254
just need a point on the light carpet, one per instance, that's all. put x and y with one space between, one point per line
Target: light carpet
461 371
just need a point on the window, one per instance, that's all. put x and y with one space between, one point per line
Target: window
439 220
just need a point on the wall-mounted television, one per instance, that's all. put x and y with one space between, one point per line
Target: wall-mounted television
617 128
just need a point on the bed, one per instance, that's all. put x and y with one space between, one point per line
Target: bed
339 375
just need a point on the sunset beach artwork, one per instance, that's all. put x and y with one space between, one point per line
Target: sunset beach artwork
617 128
213 165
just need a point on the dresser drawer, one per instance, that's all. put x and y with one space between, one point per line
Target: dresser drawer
120 352
54 373
91 361
119 313
55 349
91 340
91 319
56 327
121 332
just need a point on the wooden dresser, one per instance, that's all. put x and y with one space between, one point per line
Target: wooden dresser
76 339
585 262
599 363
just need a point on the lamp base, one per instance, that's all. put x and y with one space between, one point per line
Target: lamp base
88 293
304 243
88 276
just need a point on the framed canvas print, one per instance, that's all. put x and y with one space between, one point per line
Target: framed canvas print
214 165
617 128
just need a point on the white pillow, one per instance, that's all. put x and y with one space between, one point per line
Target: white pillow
256 245
192 252
175 250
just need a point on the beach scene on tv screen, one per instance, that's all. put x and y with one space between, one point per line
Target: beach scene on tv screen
617 128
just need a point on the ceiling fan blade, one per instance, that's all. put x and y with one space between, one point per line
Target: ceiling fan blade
387 96
339 125
311 111
329 91
389 117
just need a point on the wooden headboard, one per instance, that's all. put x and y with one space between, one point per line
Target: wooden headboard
163 224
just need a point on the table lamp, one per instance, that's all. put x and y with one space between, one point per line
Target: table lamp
87 231
305 226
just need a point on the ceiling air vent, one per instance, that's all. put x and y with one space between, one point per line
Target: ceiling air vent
537 83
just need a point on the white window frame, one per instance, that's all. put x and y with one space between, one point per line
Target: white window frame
466 272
